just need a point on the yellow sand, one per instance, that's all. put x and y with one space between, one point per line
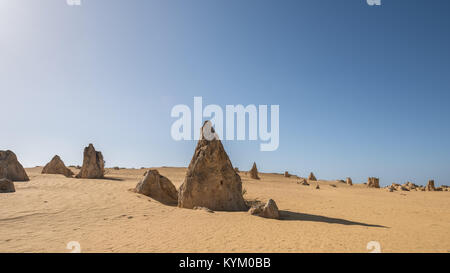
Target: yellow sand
104 216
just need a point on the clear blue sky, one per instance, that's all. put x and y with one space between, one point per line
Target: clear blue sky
363 91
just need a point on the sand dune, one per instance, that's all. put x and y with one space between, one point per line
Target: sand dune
103 215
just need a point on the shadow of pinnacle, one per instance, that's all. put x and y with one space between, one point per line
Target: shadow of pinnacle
295 216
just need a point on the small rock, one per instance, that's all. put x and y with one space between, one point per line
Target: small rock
6 186
390 188
402 188
158 187
270 210
204 209
303 182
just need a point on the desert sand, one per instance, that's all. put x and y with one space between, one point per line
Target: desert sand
105 215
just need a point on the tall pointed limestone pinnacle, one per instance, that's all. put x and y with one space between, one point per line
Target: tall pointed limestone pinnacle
93 164
211 181
254 171
312 177
430 186
349 181
373 182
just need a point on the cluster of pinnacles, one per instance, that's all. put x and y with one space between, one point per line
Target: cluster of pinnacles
211 181
11 170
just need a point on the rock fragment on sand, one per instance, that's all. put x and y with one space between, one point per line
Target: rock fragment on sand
203 209
373 182
317 186
409 186
93 164
269 210
312 177
286 174
158 187
10 167
211 180
6 186
57 166
303 182
254 171
255 210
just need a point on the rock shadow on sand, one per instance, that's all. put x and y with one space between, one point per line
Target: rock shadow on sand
111 178
296 216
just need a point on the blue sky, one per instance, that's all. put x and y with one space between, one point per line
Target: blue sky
363 91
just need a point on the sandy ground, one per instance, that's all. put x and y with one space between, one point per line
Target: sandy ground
48 212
